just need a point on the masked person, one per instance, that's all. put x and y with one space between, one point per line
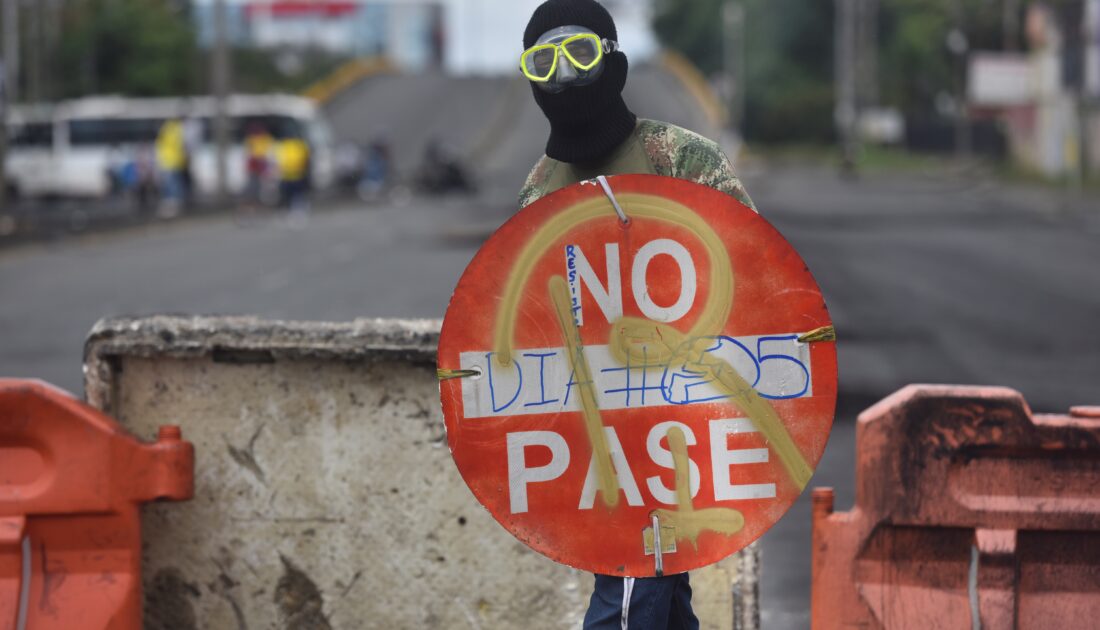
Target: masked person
577 73
572 58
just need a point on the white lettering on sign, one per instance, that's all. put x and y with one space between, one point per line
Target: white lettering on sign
622 472
609 295
542 380
723 459
684 303
663 457
519 475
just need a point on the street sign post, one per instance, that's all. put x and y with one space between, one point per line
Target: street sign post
641 396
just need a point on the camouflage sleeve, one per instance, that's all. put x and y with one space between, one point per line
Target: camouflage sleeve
702 161
537 180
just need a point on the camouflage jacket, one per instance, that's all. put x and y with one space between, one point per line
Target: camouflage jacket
656 148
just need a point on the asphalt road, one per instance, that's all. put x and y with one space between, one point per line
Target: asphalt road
944 278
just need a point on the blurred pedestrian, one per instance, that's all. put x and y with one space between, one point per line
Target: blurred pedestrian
192 139
348 162
442 171
118 167
259 147
376 171
293 159
145 167
171 164
577 75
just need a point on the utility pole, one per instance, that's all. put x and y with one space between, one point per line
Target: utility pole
733 21
11 49
34 52
51 38
220 79
3 141
866 54
959 46
1090 86
9 81
846 81
1010 25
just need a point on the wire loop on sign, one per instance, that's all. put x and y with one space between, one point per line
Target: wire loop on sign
611 196
658 559
446 375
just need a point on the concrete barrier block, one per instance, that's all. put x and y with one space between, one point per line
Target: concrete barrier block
325 496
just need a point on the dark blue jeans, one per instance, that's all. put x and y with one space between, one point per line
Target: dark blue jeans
655 604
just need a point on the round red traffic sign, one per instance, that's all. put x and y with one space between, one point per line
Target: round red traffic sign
640 396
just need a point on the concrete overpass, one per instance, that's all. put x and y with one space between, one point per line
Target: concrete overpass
493 121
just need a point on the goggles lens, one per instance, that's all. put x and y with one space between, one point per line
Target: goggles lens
584 52
540 62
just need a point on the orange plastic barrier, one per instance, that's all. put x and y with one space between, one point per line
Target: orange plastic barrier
970 513
71 485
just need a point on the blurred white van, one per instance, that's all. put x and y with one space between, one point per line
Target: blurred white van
68 149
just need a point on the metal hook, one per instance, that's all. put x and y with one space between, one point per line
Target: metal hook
611 196
658 559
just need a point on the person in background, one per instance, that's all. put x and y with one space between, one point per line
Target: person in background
441 171
118 166
145 165
192 139
258 146
171 163
348 161
293 159
376 171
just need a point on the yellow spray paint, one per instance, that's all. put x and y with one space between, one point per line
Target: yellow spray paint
691 352
712 317
593 424
685 519
628 337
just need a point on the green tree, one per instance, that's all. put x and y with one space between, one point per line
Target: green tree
694 28
788 60
789 55
915 62
131 47
789 63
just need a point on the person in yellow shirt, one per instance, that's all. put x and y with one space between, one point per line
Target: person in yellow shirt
259 148
293 159
171 153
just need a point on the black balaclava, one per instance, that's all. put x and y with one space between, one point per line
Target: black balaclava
587 122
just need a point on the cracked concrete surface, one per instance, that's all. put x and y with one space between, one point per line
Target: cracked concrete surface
325 496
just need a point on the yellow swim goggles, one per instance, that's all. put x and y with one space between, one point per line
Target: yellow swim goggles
584 51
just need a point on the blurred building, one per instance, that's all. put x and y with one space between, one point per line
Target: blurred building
462 36
409 34
1048 98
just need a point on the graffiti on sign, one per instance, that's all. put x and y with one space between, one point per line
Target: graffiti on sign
610 375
